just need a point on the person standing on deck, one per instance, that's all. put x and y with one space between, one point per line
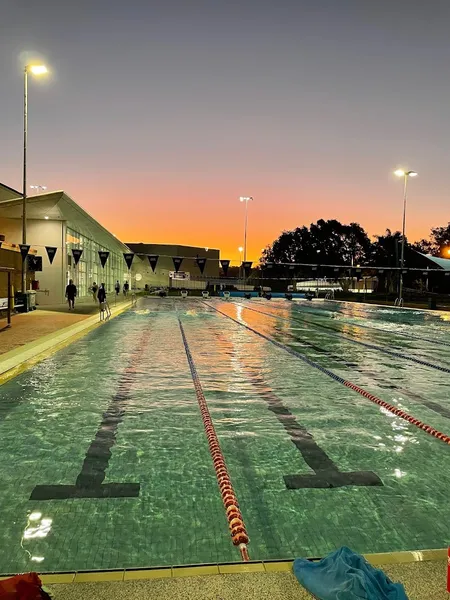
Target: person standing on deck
101 293
94 290
71 293
117 287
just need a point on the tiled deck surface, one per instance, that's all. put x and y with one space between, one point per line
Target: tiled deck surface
422 580
28 327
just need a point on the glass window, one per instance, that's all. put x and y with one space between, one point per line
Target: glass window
89 268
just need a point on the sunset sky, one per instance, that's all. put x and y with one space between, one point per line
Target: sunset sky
158 115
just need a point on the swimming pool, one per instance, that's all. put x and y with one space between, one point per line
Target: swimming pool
314 463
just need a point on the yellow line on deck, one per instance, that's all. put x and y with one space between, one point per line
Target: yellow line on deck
385 558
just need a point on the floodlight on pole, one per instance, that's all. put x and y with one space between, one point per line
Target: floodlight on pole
245 199
34 69
406 175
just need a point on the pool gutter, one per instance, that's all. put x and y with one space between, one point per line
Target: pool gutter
21 359
114 575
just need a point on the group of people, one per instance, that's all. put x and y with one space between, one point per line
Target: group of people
98 293
126 288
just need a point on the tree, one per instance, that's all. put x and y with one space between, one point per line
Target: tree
424 246
326 242
386 249
440 241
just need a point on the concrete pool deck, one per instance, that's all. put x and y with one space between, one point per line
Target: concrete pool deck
36 335
423 580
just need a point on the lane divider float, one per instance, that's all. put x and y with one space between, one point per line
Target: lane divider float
337 334
390 407
299 308
233 513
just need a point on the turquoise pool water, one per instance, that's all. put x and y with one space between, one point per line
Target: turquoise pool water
115 415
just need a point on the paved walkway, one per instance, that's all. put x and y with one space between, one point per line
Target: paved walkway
28 327
422 581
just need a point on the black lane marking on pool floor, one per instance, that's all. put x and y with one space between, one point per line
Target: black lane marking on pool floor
89 483
326 473
434 406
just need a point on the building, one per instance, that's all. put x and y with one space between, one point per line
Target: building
55 220
189 274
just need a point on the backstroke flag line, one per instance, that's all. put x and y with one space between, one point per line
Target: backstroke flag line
51 253
177 260
24 249
128 256
76 253
103 255
201 263
225 264
153 260
247 265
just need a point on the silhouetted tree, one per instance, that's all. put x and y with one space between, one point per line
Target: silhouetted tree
440 241
324 242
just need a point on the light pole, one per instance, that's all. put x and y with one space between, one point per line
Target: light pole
246 200
241 249
34 70
406 175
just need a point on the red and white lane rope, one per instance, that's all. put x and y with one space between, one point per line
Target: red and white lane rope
236 523
391 408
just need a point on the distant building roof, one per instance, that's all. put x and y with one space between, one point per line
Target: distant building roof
443 263
58 206
7 193
171 249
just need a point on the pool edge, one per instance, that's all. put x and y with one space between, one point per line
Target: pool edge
29 355
118 575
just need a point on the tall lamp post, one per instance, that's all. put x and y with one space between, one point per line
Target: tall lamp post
241 249
246 200
406 175
36 69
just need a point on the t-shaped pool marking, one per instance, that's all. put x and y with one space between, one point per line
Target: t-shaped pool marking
326 472
89 483
393 409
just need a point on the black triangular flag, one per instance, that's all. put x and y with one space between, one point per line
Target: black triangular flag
128 256
153 260
76 253
225 264
24 249
177 260
103 255
51 252
201 263
247 265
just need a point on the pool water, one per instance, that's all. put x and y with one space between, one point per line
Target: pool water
115 415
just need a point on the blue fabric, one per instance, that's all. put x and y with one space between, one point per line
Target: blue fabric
345 575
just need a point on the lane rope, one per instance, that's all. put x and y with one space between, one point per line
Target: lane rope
322 309
390 407
233 513
337 334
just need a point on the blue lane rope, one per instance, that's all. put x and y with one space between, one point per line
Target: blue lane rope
398 333
335 333
391 408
